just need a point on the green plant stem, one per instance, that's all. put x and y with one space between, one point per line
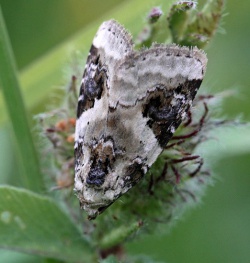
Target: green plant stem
31 177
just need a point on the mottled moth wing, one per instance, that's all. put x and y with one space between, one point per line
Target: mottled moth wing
130 104
109 46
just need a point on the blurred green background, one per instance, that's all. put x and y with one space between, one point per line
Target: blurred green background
218 230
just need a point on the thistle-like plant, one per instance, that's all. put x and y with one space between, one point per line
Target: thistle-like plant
178 178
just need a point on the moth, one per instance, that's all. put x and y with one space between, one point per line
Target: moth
130 104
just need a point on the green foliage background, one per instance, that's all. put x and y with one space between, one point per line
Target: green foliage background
219 229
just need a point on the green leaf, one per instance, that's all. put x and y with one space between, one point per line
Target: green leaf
9 83
118 235
110 259
34 224
10 256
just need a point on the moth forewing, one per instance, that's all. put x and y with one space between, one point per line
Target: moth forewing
130 104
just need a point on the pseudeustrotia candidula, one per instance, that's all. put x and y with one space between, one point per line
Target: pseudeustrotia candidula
130 104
